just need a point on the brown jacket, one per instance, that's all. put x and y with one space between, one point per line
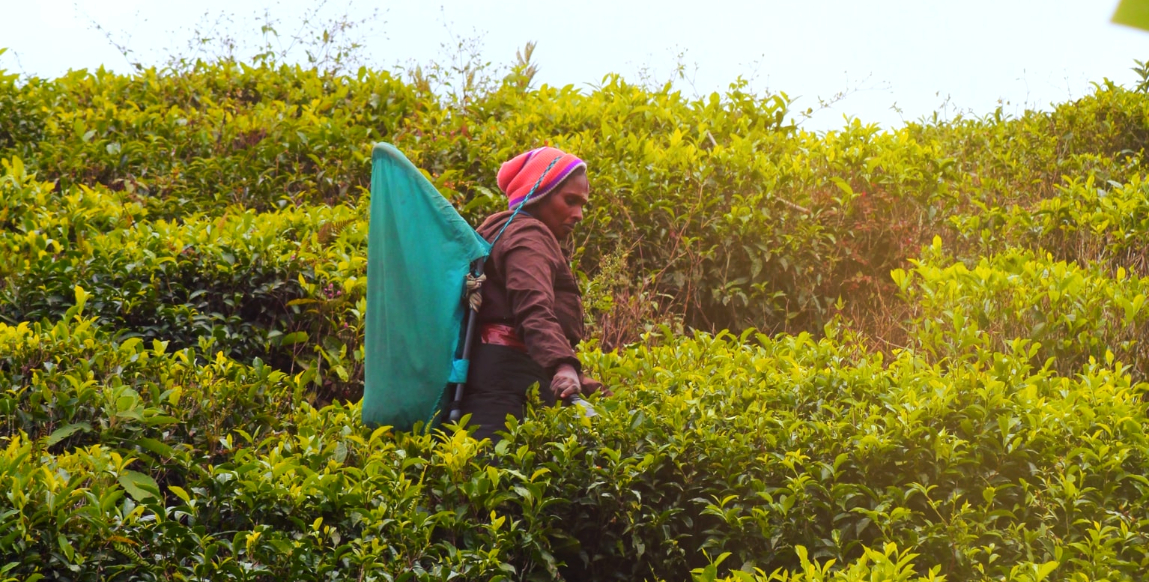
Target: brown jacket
531 287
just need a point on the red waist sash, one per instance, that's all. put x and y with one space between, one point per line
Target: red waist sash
498 334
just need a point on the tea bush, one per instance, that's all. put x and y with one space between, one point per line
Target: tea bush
176 466
250 284
221 134
864 354
727 180
737 218
1065 314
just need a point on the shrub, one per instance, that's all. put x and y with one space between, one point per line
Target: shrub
1061 314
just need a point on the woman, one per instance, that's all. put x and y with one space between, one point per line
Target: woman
531 317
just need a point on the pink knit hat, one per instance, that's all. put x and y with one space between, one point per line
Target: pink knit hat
518 176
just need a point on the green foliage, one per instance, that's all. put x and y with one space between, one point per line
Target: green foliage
1059 314
959 394
227 133
750 233
711 447
250 284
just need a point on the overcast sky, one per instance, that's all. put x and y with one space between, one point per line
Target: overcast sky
921 56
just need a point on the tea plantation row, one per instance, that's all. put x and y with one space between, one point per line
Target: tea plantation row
127 460
732 216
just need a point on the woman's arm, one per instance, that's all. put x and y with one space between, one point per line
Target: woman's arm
528 264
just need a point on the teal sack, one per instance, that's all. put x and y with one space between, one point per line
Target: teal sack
419 251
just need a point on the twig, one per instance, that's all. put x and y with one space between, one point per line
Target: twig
792 205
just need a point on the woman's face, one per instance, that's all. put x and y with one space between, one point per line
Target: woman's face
562 209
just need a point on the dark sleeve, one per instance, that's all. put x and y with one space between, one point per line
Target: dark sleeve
528 264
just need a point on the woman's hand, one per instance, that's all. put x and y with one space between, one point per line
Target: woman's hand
565 381
590 386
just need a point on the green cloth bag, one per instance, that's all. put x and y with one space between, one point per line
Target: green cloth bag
419 252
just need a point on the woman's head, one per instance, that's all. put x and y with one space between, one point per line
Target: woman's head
562 208
562 186
518 175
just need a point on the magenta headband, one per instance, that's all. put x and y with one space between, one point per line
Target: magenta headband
518 175
550 183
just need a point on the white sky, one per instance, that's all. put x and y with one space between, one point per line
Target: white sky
917 54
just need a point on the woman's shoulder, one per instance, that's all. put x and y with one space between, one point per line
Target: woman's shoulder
524 231
492 224
530 228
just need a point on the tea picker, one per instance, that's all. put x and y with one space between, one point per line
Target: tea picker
424 271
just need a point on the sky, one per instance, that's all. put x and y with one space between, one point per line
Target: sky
893 60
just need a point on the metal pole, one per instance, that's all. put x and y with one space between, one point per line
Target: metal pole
472 318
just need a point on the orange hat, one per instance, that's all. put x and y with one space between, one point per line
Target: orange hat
519 175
